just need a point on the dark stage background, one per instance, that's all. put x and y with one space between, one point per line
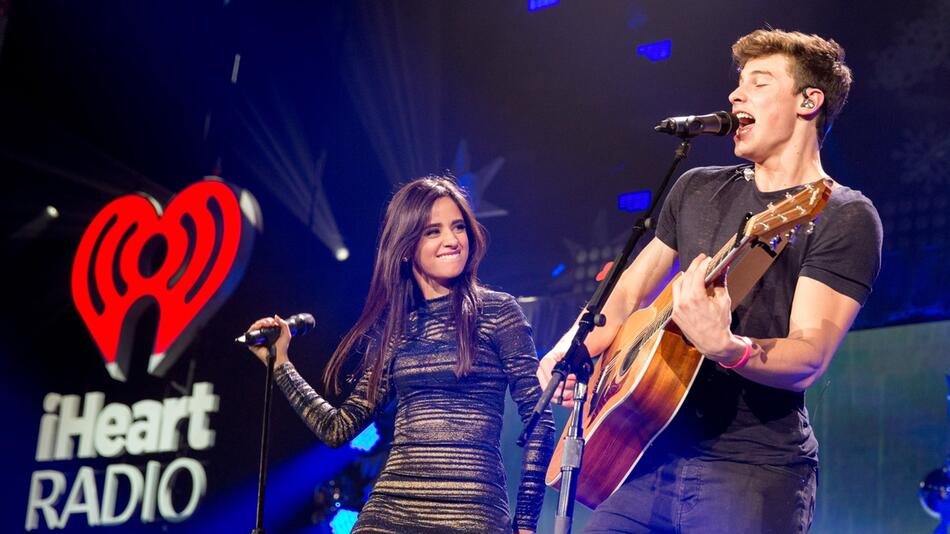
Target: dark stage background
320 109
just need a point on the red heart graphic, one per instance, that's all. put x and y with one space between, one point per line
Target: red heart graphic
207 238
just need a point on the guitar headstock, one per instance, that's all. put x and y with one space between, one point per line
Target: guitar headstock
785 217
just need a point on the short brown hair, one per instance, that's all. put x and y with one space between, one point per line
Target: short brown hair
815 62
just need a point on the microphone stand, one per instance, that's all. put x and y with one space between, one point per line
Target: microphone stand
577 359
265 433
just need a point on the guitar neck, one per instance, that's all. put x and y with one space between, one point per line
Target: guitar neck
727 256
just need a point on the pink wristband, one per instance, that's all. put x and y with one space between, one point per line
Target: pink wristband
745 355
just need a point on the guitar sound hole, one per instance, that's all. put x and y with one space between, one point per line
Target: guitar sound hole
628 359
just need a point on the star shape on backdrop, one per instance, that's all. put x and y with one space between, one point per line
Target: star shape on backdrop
476 182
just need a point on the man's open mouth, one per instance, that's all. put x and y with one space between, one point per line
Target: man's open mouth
745 122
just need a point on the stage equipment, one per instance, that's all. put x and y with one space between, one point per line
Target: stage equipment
267 337
577 360
935 487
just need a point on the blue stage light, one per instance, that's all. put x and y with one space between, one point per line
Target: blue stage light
636 19
534 5
343 521
634 201
558 271
657 51
366 440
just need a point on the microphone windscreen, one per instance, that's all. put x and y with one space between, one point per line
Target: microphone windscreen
728 121
301 323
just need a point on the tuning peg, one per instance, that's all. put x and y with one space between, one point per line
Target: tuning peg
810 228
775 241
792 235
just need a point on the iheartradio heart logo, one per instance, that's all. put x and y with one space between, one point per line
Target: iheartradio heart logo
186 260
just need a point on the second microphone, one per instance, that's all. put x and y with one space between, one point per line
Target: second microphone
299 325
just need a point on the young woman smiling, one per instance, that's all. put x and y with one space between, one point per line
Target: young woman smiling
445 349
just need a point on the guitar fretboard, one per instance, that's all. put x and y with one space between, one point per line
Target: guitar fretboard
665 312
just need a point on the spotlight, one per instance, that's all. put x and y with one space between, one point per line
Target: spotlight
634 200
534 5
341 253
366 440
35 226
589 266
343 521
657 51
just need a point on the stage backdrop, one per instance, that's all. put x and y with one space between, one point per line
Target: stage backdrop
318 110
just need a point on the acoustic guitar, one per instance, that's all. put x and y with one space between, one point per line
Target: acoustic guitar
639 383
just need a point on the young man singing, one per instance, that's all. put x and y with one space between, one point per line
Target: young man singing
740 455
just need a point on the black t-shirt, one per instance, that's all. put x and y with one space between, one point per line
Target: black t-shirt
726 416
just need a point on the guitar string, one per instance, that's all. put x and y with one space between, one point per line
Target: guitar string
659 322
667 311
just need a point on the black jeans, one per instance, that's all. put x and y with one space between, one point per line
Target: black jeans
686 495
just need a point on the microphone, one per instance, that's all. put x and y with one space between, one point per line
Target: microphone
718 123
299 325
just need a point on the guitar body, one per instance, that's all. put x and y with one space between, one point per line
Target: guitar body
630 404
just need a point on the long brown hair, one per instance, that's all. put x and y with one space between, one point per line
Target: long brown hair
393 285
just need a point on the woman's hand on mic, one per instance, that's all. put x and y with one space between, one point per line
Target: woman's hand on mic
281 344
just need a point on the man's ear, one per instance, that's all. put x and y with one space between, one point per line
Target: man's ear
812 101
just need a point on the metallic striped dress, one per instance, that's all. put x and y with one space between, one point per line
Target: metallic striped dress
444 472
